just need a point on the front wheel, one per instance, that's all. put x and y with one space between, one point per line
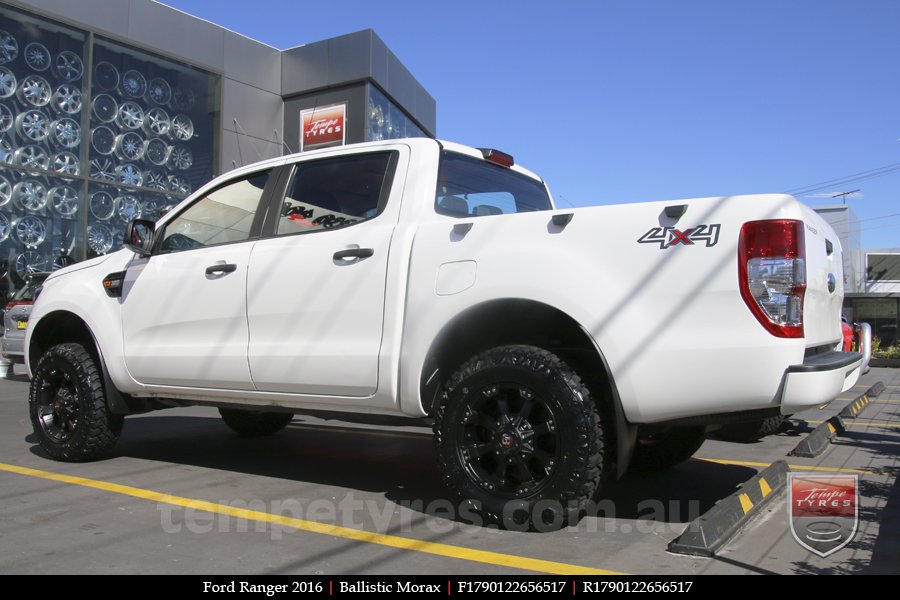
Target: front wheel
67 405
519 439
254 423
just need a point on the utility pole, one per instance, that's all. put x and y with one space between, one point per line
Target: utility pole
843 195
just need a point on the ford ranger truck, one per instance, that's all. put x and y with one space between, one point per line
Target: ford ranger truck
552 349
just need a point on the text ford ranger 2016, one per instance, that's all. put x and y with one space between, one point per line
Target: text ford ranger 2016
553 349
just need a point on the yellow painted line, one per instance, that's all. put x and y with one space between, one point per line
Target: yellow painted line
359 535
859 422
746 504
831 428
764 487
409 435
748 463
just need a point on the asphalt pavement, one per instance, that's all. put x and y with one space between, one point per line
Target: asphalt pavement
184 494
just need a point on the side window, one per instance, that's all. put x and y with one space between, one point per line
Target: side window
335 192
470 187
223 216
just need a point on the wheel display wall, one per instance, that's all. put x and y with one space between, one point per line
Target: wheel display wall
87 144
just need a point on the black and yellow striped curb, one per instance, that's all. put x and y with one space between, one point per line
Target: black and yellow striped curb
860 402
815 443
708 533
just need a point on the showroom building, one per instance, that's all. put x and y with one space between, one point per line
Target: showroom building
116 109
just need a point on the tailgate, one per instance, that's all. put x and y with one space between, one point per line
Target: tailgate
824 282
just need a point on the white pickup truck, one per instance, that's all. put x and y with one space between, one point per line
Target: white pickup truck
552 348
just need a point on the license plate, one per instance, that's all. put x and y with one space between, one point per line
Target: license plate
21 324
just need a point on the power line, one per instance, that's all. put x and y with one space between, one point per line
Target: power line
871 173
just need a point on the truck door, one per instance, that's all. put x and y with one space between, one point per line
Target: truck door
316 284
184 309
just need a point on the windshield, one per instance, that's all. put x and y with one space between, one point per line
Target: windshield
26 294
470 187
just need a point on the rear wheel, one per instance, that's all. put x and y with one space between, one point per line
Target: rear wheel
663 450
255 422
67 405
519 440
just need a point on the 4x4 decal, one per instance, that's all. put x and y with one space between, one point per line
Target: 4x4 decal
669 236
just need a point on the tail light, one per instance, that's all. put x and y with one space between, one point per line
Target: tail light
772 271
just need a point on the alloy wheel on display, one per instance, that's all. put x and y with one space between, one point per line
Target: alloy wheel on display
65 162
30 195
35 90
6 118
179 185
181 158
37 56
9 47
5 230
63 200
6 191
66 132
7 154
32 157
30 262
128 207
30 230
105 108
8 83
159 91
156 122
129 146
67 99
133 84
103 140
129 174
68 66
156 152
33 125
102 205
182 128
99 238
156 179
106 76
131 115
103 169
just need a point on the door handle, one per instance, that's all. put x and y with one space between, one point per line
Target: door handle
221 268
354 253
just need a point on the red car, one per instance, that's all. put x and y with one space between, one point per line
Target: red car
847 329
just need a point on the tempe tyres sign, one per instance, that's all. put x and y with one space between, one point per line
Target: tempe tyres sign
323 126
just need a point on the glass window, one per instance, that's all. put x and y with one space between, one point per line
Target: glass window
335 192
470 187
87 145
386 121
223 216
883 267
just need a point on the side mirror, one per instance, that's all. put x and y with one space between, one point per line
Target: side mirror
139 235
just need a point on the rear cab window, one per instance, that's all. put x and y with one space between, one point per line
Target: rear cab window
471 187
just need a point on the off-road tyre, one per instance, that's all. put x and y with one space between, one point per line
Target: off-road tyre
67 406
519 440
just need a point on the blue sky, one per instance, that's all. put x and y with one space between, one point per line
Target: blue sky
629 100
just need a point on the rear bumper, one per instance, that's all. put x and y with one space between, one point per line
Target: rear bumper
818 380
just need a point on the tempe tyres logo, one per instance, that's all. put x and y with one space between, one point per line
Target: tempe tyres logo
823 510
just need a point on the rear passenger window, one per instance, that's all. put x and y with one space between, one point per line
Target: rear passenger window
470 187
335 192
